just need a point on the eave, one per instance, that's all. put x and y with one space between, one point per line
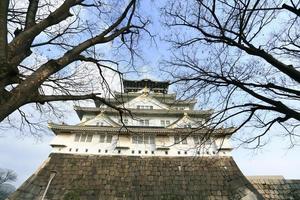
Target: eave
70 129
189 102
156 112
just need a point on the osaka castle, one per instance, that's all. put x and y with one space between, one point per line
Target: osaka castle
159 149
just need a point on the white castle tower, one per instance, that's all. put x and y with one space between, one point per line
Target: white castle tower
158 125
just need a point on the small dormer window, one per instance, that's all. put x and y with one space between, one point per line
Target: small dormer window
164 123
100 123
144 107
179 108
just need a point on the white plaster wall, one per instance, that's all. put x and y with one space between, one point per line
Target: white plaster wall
97 148
223 143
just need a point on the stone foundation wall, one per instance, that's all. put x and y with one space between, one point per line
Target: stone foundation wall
131 177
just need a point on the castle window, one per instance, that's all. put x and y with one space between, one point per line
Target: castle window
180 139
143 139
84 137
144 107
89 138
100 123
125 121
77 137
198 139
105 138
187 126
144 122
164 123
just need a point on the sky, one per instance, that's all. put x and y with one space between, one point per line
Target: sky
24 153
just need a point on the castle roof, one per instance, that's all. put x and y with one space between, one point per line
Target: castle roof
57 128
96 110
121 99
136 85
